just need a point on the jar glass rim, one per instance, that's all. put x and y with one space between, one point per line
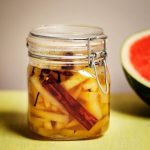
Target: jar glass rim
68 32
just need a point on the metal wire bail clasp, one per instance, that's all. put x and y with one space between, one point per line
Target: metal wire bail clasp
91 62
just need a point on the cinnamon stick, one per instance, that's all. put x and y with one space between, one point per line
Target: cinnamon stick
71 105
36 98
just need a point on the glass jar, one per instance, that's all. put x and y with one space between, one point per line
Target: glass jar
68 82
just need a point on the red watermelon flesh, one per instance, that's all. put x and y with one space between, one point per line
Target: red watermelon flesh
140 57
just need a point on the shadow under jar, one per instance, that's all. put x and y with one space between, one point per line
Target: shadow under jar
68 82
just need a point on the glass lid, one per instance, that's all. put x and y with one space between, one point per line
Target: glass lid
73 32
65 41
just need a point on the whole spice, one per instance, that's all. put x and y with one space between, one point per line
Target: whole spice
36 98
71 105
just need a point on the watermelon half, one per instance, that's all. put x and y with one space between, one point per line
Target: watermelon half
135 59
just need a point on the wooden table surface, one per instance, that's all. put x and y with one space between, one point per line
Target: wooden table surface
129 126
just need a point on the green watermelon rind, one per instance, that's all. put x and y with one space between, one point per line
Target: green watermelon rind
139 85
141 90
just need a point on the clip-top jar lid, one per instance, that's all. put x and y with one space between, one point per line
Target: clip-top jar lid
68 32
65 41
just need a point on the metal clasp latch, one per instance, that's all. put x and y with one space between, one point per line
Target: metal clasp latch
92 63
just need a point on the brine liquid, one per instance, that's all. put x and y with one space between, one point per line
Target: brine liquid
66 105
